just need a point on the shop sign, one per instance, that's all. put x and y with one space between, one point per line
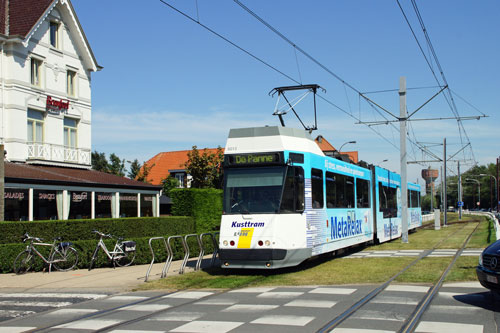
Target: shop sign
79 197
104 197
57 106
14 195
46 196
128 198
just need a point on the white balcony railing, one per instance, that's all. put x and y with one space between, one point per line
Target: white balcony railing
58 153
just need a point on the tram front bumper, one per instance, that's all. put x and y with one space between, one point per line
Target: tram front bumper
262 258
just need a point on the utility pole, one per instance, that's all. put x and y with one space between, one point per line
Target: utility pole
459 192
2 182
498 188
402 152
445 207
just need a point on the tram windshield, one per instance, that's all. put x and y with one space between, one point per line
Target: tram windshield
253 190
264 190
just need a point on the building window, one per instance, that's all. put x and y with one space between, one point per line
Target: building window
70 130
70 83
36 72
180 180
54 34
35 126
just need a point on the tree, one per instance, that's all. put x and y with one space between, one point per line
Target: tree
99 162
169 183
135 168
206 168
142 176
116 166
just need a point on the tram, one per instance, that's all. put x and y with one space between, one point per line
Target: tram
285 201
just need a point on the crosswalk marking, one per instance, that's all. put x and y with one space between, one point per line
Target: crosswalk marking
336 291
53 295
11 329
311 303
407 288
442 327
208 326
189 294
35 303
283 320
179 316
89 324
250 308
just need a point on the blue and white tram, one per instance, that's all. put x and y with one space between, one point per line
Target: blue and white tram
285 201
414 208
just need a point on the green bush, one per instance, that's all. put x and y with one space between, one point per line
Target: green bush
79 233
86 248
75 230
205 205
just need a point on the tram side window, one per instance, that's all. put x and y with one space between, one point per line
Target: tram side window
317 188
414 201
363 193
339 191
293 192
388 201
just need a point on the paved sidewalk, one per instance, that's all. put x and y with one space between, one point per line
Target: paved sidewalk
110 280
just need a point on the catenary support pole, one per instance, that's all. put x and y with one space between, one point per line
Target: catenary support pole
403 164
445 198
459 204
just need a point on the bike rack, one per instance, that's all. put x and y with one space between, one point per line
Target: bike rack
186 257
170 252
169 255
216 247
186 251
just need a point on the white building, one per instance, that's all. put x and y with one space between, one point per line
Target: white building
45 70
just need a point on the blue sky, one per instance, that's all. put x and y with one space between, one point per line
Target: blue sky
169 84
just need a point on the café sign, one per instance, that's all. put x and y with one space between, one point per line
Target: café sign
57 106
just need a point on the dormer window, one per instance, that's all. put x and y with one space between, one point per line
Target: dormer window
54 34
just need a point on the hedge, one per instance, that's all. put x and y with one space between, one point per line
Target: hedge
85 248
205 205
79 232
74 230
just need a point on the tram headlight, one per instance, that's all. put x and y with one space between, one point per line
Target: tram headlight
268 243
225 243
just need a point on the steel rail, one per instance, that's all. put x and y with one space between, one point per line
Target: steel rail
350 311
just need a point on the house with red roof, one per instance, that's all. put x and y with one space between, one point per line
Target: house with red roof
46 65
172 163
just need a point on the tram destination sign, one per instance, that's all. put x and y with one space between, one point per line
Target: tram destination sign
253 159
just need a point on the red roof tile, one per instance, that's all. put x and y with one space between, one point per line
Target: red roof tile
22 15
171 160
25 173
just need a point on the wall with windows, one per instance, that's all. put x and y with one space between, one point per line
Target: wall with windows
53 63
48 202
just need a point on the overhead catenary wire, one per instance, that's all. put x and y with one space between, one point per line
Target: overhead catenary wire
270 66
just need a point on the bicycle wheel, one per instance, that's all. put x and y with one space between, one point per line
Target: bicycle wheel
124 259
65 259
94 257
23 262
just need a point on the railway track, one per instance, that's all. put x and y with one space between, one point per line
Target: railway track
408 325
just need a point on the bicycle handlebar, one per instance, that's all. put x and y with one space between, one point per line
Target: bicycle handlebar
28 237
102 234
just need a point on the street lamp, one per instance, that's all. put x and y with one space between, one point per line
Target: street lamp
496 185
345 144
382 161
478 189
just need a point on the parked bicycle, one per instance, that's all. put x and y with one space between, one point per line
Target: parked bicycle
123 253
62 255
